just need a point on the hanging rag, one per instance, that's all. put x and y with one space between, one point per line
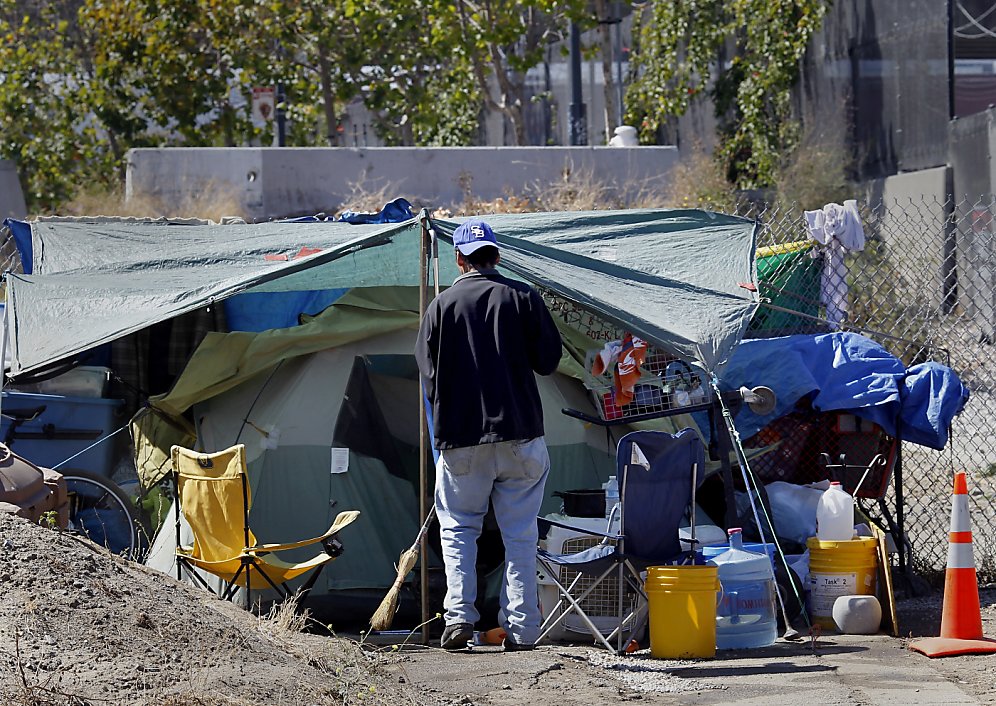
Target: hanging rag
606 358
628 369
838 230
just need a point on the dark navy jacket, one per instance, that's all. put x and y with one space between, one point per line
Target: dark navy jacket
480 345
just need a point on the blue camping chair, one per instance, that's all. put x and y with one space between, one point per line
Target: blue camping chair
656 472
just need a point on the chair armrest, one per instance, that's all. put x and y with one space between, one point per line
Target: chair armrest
342 520
545 524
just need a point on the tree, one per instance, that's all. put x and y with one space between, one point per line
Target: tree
418 81
605 21
168 70
393 54
680 46
45 124
502 39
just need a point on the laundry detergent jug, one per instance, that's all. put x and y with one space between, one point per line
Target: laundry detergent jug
746 614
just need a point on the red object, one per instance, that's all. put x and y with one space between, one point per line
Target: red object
305 251
610 410
494 636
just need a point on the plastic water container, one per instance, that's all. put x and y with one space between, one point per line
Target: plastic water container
835 515
746 614
611 494
709 551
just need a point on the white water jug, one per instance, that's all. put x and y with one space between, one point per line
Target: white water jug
835 515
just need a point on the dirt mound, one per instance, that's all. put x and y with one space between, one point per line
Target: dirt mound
79 626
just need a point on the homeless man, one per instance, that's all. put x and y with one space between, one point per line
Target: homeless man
480 345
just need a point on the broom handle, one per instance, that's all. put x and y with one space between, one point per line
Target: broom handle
420 537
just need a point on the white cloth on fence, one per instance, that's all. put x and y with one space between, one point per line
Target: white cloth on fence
838 230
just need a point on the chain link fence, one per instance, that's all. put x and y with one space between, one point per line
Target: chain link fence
923 287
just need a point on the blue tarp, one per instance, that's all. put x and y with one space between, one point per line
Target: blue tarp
847 372
393 212
22 240
260 311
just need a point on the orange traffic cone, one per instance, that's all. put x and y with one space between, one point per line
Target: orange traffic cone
961 619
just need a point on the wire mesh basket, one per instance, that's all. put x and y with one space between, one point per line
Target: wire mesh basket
665 385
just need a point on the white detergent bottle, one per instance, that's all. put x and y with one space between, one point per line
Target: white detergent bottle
835 515
611 495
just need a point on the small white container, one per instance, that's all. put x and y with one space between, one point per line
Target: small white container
624 136
835 515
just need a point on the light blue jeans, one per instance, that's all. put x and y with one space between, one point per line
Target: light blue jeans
512 474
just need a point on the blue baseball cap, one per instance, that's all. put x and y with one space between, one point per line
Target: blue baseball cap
472 235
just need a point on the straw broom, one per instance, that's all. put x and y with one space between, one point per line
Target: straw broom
384 614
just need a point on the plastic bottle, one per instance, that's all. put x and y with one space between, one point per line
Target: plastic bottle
835 515
745 617
611 495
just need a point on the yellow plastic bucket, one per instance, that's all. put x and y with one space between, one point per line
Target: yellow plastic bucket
682 611
839 569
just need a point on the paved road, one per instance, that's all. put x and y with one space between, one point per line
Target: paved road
844 670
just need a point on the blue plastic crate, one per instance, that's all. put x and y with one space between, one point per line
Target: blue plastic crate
66 426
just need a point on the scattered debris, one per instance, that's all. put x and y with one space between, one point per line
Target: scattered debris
641 673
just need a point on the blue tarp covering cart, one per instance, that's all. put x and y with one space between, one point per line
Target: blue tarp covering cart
847 372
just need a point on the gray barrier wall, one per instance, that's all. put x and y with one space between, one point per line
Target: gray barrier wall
276 182
11 196
924 234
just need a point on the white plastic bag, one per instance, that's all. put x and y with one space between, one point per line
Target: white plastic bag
794 509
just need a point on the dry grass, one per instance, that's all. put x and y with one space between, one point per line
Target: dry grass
577 190
369 196
284 618
698 181
210 201
818 169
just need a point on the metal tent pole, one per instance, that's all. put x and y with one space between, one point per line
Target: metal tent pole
423 446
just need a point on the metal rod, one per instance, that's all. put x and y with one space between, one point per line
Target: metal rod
695 477
578 128
281 115
423 260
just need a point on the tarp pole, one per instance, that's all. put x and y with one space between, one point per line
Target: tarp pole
423 291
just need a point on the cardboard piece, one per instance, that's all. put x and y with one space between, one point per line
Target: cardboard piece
887 597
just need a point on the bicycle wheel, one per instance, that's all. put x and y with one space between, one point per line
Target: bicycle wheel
100 511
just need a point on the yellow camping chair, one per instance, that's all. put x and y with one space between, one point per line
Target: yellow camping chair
212 492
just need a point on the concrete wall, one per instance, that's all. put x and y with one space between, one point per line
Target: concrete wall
11 196
972 146
913 220
277 182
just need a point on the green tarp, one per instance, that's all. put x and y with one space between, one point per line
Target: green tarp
676 277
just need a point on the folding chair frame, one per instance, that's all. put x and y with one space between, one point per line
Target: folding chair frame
627 573
332 546
628 577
